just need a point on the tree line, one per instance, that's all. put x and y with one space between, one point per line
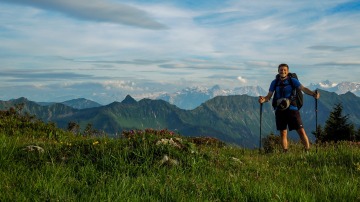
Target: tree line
337 128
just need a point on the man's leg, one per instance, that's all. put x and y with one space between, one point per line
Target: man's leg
304 138
284 141
296 123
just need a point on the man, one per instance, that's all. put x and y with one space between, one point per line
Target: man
287 113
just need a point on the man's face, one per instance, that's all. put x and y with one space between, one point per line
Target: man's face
283 71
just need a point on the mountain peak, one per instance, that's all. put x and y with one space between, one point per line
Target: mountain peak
81 103
129 100
327 84
20 99
216 87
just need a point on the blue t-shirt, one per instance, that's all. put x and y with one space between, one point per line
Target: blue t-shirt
284 89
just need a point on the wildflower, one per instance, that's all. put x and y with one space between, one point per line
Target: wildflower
96 142
168 141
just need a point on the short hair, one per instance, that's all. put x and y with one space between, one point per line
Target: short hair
283 65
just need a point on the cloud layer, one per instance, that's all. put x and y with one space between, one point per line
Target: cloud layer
142 47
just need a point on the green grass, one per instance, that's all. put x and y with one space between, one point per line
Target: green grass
78 168
130 169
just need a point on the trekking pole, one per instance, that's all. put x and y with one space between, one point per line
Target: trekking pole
316 119
261 105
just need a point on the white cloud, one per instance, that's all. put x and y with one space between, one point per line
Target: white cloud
120 85
241 79
96 10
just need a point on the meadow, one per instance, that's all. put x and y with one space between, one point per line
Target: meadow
39 162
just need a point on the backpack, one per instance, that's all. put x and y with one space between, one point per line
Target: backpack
296 97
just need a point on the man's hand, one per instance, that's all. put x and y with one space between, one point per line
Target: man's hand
261 99
266 98
316 94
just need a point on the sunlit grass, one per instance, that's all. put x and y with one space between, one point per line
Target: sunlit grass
158 165
130 169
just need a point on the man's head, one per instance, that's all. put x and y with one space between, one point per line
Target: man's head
283 70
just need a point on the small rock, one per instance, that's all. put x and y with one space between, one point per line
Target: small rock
168 161
32 148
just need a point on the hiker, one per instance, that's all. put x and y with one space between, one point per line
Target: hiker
286 110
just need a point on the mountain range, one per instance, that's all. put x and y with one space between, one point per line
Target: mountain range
235 119
192 97
339 88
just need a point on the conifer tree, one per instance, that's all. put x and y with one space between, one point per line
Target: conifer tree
337 127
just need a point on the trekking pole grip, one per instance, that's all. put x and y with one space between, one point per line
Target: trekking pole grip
316 101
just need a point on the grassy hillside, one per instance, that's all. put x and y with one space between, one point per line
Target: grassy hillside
39 162
232 119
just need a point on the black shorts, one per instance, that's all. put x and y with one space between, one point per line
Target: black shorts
287 118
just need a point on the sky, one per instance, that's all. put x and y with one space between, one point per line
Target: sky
105 49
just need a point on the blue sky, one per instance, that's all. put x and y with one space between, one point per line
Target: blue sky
104 49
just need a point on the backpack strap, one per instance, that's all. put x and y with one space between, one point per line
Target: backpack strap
281 91
282 85
294 92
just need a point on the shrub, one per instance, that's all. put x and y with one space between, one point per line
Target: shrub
271 143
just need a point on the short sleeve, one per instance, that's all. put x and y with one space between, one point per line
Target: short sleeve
272 86
296 82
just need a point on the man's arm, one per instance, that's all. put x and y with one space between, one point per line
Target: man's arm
266 98
315 94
